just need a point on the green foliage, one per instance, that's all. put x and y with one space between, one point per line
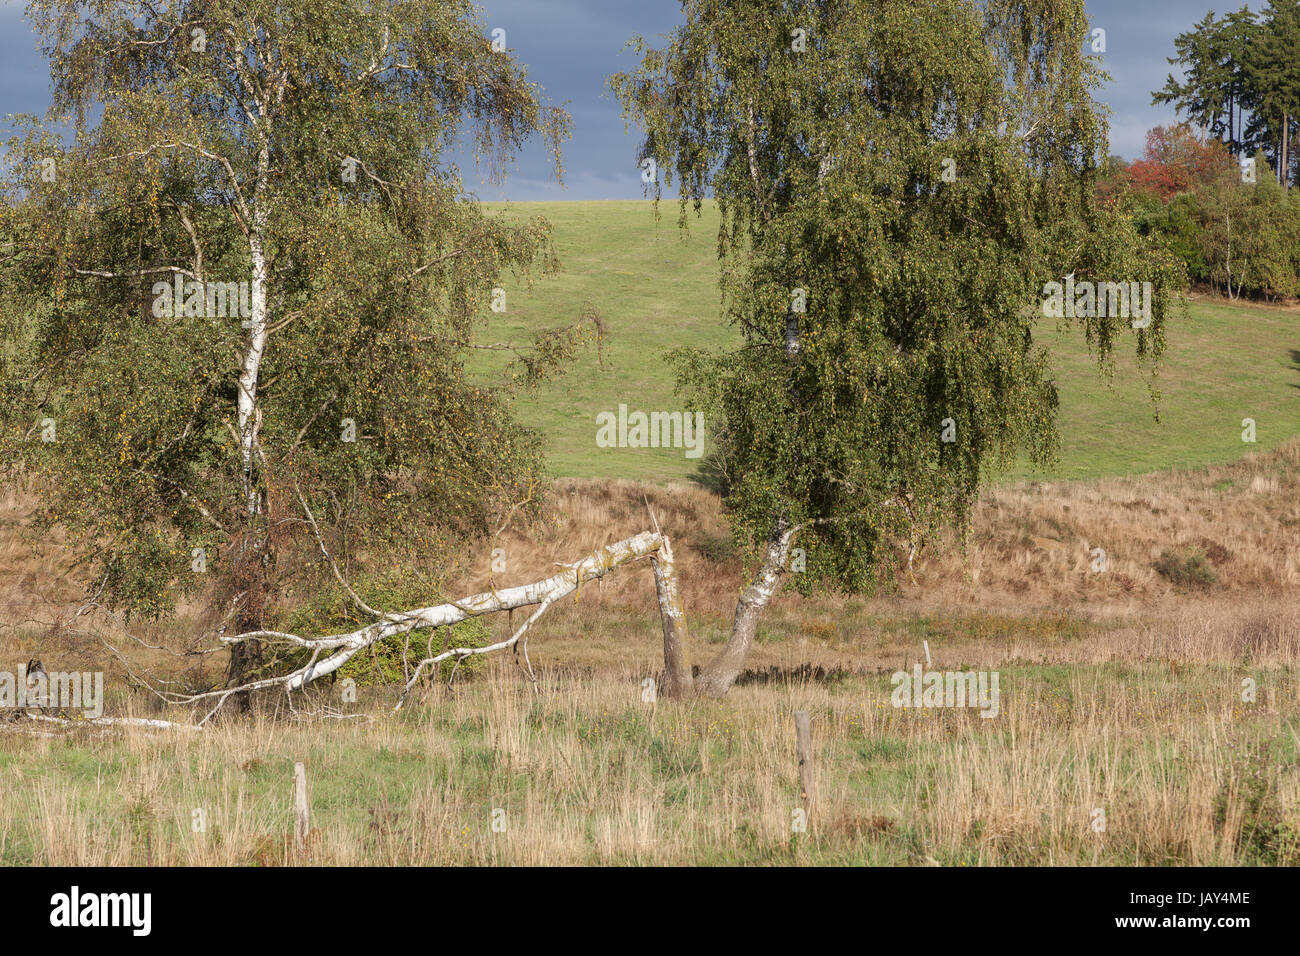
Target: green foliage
1215 86
716 548
1250 235
1251 790
226 162
326 608
1241 80
922 292
1191 569
1241 238
1178 224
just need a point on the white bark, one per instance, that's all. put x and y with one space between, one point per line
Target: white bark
248 418
301 808
340 648
716 678
145 722
678 681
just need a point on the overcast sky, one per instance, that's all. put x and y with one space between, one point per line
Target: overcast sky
572 46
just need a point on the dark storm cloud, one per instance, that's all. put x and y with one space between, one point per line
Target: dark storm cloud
571 47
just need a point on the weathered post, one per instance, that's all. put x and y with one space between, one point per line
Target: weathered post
302 823
803 744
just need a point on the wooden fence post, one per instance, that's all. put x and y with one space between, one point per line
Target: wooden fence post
803 743
302 823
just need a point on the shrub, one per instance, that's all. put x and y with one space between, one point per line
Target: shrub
716 548
329 610
1189 569
1265 837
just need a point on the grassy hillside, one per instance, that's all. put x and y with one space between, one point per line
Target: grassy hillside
656 288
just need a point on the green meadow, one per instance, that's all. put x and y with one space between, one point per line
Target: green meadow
655 287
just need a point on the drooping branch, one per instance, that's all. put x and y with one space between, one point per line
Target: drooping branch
320 541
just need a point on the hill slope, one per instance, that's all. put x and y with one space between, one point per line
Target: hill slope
656 289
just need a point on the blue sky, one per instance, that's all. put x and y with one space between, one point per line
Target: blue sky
571 46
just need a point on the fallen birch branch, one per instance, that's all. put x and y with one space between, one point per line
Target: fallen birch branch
340 648
146 722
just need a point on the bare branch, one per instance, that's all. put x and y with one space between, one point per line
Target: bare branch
311 518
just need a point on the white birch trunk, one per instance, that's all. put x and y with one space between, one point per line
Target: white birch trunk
248 418
678 682
716 678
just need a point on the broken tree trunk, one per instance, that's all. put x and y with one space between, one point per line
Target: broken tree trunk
721 672
678 682
338 649
331 652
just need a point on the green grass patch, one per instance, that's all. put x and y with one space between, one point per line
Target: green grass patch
656 289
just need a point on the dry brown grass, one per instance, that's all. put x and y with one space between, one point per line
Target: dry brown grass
35 575
1121 691
1022 589
587 773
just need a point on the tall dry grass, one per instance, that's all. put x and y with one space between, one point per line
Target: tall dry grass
586 772
1121 693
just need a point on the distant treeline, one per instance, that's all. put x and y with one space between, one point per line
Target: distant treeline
1234 227
1216 188
1241 82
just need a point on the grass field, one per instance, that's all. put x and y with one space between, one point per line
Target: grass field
656 288
1121 690
584 772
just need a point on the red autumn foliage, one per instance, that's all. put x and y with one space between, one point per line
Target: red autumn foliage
1175 161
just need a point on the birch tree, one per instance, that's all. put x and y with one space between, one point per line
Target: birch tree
897 181
242 279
